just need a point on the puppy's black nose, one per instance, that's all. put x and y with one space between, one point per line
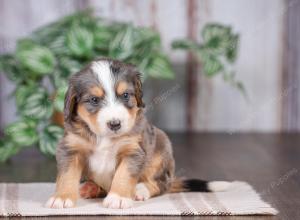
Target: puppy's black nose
114 124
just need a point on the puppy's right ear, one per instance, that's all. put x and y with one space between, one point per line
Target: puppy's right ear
70 103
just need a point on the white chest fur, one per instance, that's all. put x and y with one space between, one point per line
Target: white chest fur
103 163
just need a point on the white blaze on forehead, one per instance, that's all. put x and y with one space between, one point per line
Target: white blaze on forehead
113 109
103 72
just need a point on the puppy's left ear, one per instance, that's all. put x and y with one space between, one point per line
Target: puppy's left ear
70 103
138 90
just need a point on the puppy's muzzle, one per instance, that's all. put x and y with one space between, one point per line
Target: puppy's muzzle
114 124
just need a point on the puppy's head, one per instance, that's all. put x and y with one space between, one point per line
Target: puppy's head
106 95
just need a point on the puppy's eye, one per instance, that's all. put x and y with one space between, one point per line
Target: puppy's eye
125 96
95 100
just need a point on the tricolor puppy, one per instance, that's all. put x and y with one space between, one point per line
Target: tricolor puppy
109 143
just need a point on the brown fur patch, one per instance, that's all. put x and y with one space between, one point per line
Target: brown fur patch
78 143
153 188
121 87
80 128
97 91
177 186
138 91
130 145
149 173
133 111
123 183
90 119
67 183
153 167
69 107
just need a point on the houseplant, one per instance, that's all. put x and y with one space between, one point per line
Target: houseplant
42 63
217 52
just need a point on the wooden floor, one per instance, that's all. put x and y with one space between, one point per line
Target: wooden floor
270 162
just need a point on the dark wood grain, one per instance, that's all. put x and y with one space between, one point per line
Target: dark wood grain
192 67
270 162
291 67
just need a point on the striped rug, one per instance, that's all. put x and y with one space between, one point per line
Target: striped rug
240 199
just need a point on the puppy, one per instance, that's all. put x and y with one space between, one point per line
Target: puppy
109 142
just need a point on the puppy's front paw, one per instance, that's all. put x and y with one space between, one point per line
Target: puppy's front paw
57 202
141 192
115 201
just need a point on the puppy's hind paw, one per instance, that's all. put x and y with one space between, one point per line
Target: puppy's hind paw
141 192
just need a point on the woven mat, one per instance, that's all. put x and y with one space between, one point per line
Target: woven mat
28 199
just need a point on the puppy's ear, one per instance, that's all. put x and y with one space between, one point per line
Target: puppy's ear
138 90
70 103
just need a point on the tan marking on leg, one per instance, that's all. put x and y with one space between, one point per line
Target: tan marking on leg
67 185
152 187
153 167
148 175
123 183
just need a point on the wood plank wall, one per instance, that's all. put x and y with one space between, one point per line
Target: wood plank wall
291 68
268 59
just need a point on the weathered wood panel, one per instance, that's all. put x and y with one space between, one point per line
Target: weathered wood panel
259 66
291 70
219 108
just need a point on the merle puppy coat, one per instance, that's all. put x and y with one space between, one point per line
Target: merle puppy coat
109 143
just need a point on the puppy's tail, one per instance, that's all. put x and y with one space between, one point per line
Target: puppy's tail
197 185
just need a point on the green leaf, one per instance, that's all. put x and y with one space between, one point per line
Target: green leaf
37 59
122 46
37 105
58 46
231 51
102 36
59 78
216 38
70 66
10 66
22 132
146 37
212 66
185 45
212 30
22 92
80 41
48 139
160 67
60 98
8 149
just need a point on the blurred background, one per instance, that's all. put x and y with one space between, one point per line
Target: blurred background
267 62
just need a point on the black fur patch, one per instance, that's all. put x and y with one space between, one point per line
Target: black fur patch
196 185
